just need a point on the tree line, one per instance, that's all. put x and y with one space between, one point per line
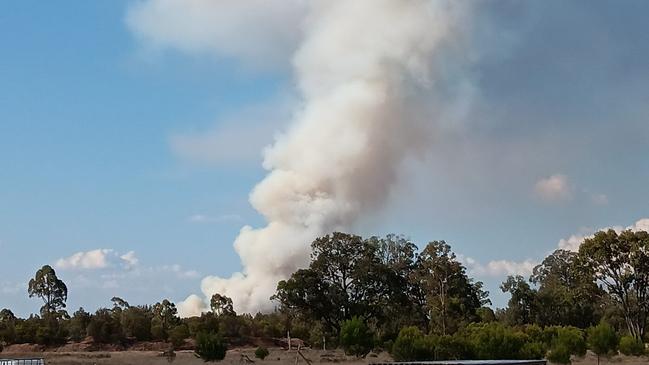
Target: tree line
384 293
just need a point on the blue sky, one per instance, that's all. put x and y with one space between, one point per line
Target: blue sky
109 140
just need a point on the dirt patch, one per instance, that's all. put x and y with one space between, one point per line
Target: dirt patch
24 348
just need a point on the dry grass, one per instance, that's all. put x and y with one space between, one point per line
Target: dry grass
277 356
234 357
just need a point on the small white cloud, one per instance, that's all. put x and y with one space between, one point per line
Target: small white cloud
95 259
641 225
192 306
553 188
497 268
223 218
130 259
573 242
101 258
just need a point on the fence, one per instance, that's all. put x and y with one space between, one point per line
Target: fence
465 362
34 361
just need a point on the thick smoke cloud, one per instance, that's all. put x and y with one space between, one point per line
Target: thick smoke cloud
360 68
356 68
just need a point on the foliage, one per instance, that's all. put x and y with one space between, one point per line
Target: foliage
486 314
355 337
104 327
344 279
559 354
567 293
221 305
496 341
164 318
452 298
455 347
261 352
136 322
52 290
78 324
631 346
419 306
178 335
533 351
7 326
573 339
566 341
210 347
621 263
382 279
411 345
602 339
520 308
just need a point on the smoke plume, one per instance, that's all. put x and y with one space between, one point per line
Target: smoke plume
364 71
359 69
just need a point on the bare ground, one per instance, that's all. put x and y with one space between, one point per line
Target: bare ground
277 356
234 357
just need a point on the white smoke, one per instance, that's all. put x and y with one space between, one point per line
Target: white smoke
361 68
259 33
357 66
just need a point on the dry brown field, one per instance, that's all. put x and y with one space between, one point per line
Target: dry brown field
234 357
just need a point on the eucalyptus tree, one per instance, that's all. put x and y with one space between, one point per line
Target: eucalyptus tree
568 294
52 290
620 262
452 298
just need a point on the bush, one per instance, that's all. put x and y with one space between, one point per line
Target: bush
410 345
355 337
261 352
572 339
178 335
495 341
629 345
602 339
210 347
567 341
559 354
453 347
533 351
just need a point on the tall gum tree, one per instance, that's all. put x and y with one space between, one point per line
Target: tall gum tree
621 263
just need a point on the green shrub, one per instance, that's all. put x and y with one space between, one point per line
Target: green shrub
454 347
559 355
486 314
261 352
355 338
387 346
178 335
535 333
602 339
567 341
210 347
409 345
629 345
549 335
533 351
572 339
495 341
